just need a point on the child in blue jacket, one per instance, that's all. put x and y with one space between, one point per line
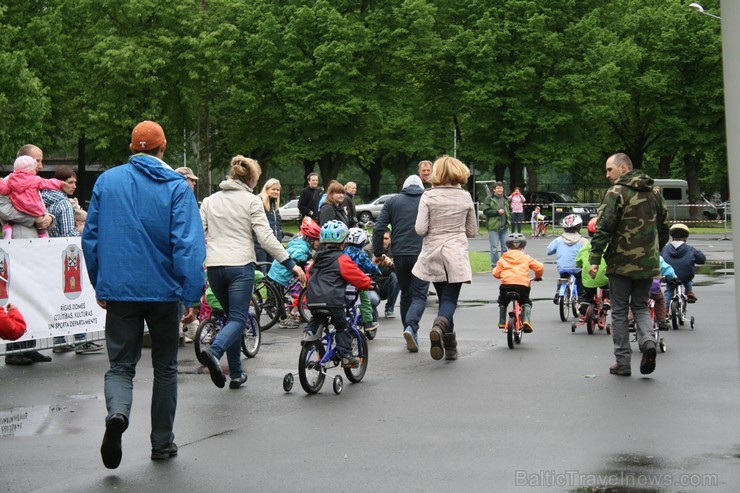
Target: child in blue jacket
300 249
683 258
566 246
356 239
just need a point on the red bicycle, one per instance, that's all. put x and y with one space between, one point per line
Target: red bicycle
596 315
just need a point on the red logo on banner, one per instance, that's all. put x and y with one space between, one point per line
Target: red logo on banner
72 272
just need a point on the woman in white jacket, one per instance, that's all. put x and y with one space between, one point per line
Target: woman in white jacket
230 217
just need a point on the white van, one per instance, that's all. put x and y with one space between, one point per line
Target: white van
676 196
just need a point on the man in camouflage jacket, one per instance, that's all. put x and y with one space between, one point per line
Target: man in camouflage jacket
632 230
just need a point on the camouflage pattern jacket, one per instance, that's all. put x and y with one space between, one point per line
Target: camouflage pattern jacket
633 222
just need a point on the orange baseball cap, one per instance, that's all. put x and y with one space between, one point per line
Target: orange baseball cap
146 136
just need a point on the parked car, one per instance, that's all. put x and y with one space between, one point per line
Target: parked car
289 211
370 211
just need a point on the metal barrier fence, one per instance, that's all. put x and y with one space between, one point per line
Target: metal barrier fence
48 343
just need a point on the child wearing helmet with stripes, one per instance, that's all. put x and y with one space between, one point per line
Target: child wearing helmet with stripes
330 273
683 258
513 269
566 246
300 250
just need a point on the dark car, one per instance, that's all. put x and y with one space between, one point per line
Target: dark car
561 203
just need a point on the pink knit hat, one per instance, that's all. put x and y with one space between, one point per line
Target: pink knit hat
24 163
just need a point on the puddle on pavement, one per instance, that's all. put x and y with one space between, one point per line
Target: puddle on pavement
48 419
633 473
716 269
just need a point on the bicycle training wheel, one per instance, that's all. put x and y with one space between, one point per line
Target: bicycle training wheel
270 302
309 366
204 335
354 375
252 336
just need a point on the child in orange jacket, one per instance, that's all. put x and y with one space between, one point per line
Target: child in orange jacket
513 269
12 324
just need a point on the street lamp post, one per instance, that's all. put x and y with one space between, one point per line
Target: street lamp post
698 8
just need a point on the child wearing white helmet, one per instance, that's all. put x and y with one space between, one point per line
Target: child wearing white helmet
683 258
356 240
566 246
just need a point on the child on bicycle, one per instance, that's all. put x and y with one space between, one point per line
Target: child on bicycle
683 258
513 269
330 273
591 285
300 250
566 246
356 240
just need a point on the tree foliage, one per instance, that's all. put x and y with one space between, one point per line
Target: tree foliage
371 87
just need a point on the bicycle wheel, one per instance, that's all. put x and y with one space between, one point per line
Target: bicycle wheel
574 305
682 312
270 301
310 372
204 334
354 375
564 307
674 314
510 332
303 309
591 318
252 336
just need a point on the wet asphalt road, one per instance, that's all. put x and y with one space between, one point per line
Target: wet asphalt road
545 416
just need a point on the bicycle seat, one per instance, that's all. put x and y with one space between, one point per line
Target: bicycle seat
510 296
321 311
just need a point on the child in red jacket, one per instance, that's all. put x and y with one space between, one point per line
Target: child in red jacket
12 324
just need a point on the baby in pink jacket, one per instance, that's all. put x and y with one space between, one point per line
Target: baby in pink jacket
23 186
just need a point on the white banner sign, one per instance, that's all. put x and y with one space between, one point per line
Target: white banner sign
47 281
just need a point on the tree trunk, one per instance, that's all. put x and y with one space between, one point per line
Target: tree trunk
329 164
516 174
83 194
664 166
532 175
692 166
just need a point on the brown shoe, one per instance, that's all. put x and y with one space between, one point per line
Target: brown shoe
620 370
439 328
450 345
690 297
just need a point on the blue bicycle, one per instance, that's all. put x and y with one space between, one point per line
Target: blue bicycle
568 296
210 327
319 351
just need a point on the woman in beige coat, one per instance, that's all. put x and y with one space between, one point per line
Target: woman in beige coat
446 220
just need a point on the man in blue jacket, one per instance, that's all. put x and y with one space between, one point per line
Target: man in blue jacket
400 212
144 250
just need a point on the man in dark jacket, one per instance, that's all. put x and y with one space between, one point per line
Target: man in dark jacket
350 189
308 201
400 212
632 229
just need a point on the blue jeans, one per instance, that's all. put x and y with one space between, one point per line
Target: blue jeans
124 334
448 293
497 240
232 286
414 291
